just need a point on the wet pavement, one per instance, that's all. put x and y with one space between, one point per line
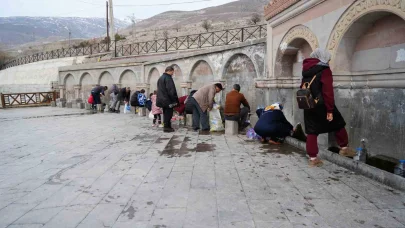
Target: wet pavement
65 168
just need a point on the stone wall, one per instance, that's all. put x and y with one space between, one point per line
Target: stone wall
34 77
366 40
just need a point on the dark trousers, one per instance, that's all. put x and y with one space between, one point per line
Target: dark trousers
241 117
312 142
199 115
158 118
167 117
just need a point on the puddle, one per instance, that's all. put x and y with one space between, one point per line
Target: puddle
205 147
131 212
280 149
171 151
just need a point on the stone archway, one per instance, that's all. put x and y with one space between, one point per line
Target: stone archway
69 83
201 74
153 77
240 69
357 10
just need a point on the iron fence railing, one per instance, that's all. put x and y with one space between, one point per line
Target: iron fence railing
119 49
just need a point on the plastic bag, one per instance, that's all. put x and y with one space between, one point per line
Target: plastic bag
151 116
90 100
127 108
251 134
216 119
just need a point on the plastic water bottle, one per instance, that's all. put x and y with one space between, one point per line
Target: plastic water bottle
400 168
359 152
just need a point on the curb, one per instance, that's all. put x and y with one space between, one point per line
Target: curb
371 172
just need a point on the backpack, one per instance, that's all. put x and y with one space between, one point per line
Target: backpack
305 99
141 99
134 99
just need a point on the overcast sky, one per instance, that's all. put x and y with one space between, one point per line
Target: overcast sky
96 8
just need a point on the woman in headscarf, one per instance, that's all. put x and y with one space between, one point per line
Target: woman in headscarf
272 125
325 117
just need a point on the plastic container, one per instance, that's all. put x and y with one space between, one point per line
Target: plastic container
359 151
400 168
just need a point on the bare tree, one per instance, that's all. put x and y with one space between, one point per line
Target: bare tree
255 18
177 27
165 34
133 20
207 25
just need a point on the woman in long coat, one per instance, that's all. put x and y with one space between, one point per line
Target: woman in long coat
325 117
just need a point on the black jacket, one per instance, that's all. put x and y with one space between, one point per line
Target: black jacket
166 92
123 95
189 105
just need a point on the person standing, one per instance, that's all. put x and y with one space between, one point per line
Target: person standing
167 97
96 92
325 117
232 111
203 101
156 111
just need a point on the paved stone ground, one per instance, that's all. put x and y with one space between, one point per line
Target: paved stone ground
110 170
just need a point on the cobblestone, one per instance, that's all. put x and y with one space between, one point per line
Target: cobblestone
66 168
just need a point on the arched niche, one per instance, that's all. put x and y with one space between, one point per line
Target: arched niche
129 79
153 77
69 86
201 74
106 79
177 78
296 45
373 42
344 33
87 83
241 70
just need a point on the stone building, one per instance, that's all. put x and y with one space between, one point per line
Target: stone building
367 41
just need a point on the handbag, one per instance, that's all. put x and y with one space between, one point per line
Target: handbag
90 100
305 99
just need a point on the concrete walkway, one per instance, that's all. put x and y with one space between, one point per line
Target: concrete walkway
115 170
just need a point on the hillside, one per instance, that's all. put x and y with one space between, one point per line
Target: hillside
21 30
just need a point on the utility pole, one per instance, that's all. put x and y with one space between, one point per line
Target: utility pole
107 23
70 34
112 30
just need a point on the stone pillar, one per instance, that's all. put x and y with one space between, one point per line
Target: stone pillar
78 100
186 87
62 100
270 67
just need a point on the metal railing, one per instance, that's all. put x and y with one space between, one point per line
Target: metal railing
196 41
28 99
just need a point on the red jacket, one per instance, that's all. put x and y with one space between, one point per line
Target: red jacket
181 107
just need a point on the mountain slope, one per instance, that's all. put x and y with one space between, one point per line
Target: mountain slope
20 30
230 11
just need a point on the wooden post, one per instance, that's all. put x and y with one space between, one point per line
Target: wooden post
3 105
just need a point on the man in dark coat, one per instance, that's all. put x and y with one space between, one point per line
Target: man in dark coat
167 97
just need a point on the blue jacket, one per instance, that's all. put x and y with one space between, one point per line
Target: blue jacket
272 123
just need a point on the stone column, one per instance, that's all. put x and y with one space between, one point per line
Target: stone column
61 102
270 67
78 101
186 87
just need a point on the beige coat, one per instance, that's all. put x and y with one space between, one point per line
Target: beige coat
205 97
